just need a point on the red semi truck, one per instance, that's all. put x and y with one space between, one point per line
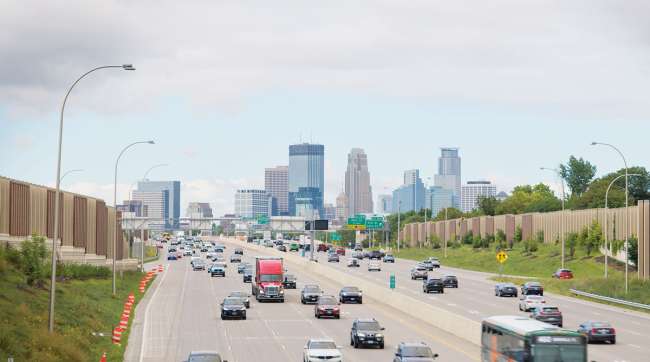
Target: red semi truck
267 285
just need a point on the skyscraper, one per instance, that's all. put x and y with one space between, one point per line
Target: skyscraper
251 203
276 184
173 205
307 170
357 183
342 208
473 191
448 176
155 206
384 204
411 195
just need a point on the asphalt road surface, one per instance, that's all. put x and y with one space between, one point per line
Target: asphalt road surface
181 314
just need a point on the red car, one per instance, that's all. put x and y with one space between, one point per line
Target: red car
327 306
322 247
563 274
340 251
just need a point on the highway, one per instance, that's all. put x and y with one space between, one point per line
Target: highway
181 314
475 299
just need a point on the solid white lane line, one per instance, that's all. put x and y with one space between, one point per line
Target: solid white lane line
145 323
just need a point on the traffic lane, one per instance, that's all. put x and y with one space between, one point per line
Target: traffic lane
399 327
464 301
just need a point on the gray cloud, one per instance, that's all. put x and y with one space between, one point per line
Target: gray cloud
584 58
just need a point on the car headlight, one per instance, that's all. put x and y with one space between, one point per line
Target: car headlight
361 335
282 292
379 335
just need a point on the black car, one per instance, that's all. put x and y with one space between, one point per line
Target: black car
350 295
217 270
310 294
248 276
450 281
433 285
366 332
233 308
420 352
376 254
505 290
282 248
532 288
239 251
598 332
289 281
389 258
333 258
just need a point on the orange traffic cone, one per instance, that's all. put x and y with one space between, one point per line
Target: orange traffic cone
103 359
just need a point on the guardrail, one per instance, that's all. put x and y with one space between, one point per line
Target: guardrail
609 299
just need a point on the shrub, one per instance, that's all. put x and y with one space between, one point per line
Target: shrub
591 237
477 242
435 242
539 236
518 234
571 242
468 239
33 254
455 245
530 246
633 249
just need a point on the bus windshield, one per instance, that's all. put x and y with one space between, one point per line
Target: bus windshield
558 353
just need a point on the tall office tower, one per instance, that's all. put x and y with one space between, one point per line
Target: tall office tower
173 206
155 207
384 204
342 213
276 184
357 183
307 171
440 199
448 176
411 195
252 203
473 191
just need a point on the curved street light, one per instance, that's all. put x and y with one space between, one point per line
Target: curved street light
562 232
627 211
58 189
115 204
607 249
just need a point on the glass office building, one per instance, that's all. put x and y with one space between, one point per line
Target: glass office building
306 170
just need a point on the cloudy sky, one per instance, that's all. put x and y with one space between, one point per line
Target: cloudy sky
224 87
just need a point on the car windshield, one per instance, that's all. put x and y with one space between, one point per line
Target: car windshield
322 345
417 352
450 277
327 300
312 289
271 278
232 301
204 358
350 290
368 326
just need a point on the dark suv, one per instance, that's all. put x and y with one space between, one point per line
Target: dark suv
505 289
350 295
532 288
433 285
366 332
420 352
547 314
450 281
376 254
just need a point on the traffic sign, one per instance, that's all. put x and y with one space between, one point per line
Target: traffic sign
375 223
357 220
357 227
336 237
262 219
502 257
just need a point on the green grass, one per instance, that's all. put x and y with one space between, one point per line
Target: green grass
82 307
588 270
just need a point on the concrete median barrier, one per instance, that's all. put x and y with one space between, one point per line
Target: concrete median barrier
455 324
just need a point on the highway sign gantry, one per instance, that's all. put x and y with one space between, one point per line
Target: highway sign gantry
375 223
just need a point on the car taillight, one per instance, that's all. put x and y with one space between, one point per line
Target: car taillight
594 331
612 331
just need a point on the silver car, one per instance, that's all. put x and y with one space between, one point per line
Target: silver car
374 266
527 302
317 350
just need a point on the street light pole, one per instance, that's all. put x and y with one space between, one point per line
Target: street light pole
58 190
399 222
627 211
115 205
562 231
607 248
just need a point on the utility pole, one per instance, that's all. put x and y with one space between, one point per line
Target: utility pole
399 222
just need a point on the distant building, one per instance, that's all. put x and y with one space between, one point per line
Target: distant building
330 212
276 184
411 195
502 196
449 173
250 203
357 183
473 191
172 202
132 206
342 213
306 201
384 204
155 208
440 199
306 170
228 226
200 215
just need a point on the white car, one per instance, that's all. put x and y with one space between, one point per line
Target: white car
374 266
526 302
318 350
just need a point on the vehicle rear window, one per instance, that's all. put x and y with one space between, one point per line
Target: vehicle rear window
601 325
327 300
232 301
312 289
423 352
368 326
550 309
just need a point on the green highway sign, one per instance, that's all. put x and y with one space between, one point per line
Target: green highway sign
357 220
336 237
375 223
262 219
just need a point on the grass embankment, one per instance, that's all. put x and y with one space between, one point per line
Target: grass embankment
151 253
83 305
588 270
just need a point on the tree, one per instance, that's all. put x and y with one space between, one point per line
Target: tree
488 205
518 234
571 243
577 173
594 238
527 198
594 196
452 213
32 255
633 250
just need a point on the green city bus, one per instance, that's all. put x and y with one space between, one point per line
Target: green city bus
517 338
